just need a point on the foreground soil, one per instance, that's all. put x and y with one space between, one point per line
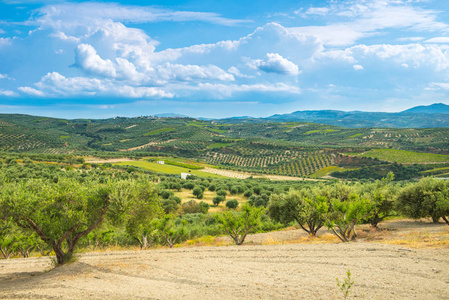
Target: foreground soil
289 271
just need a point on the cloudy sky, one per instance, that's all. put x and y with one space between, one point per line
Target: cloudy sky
221 58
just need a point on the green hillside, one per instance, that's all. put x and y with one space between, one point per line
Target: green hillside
281 148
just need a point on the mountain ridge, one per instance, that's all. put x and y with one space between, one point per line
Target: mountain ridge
431 116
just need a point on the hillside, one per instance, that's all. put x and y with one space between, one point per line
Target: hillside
281 148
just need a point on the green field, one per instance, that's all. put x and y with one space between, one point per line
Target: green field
406 157
326 171
166 168
161 130
321 131
218 145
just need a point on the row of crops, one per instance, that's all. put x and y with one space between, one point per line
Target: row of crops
288 163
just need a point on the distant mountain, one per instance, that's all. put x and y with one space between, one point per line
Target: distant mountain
436 108
170 115
436 115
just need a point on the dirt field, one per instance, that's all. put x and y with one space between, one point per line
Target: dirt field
290 271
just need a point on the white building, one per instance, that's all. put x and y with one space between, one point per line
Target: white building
184 175
161 162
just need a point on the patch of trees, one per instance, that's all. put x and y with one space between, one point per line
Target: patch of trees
400 171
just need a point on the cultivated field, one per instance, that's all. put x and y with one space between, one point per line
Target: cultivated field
270 267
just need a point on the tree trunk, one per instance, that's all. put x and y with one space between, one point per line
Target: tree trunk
435 219
60 255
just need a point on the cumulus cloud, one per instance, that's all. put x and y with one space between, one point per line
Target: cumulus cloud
275 63
54 84
88 59
357 67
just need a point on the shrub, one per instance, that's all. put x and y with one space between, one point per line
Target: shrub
192 207
222 192
232 204
217 200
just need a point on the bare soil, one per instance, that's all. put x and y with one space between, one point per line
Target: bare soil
252 271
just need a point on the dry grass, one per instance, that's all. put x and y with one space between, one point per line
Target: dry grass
187 195
205 241
419 240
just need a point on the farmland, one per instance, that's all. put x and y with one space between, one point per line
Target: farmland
168 169
406 157
277 148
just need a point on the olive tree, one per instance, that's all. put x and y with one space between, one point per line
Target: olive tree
170 232
427 198
239 224
295 206
59 213
381 195
8 238
138 204
341 216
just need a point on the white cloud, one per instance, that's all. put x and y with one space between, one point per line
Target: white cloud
439 85
367 18
275 63
88 60
357 67
414 55
236 72
438 40
8 93
62 36
30 91
411 39
322 11
170 71
2 31
224 90
54 84
72 13
5 42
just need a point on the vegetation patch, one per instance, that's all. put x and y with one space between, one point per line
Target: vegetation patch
321 131
169 169
218 145
326 171
159 131
406 157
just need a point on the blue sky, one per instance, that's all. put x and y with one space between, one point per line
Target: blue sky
221 58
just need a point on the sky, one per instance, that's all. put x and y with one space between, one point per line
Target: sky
215 58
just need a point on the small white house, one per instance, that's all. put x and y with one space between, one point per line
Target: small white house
161 162
184 175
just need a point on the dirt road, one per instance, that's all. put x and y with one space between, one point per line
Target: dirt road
297 271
